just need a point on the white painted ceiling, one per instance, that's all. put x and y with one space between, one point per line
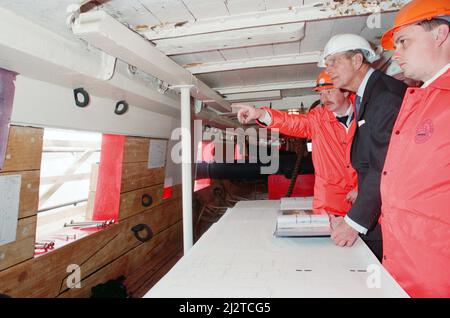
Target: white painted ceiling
262 44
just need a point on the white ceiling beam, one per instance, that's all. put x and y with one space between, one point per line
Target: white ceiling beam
267 95
312 12
233 39
107 34
265 87
288 59
38 53
288 102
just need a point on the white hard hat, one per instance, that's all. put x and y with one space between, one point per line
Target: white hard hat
347 42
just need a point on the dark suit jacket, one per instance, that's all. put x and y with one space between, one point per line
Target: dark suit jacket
380 106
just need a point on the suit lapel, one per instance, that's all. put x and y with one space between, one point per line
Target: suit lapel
368 92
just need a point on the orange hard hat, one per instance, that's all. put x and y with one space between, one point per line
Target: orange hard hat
323 82
414 12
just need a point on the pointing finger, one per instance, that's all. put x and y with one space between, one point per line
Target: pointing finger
241 116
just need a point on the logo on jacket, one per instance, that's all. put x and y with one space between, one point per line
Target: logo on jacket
424 131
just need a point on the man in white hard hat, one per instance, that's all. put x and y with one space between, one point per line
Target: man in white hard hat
348 58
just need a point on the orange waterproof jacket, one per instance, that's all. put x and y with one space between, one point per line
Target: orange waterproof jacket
415 193
334 175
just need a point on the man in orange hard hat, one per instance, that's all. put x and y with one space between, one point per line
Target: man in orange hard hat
396 72
330 128
415 186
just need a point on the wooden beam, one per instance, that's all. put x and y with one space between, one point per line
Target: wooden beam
24 149
139 263
288 59
131 202
70 171
45 276
233 39
29 192
107 34
311 12
265 87
23 247
91 145
136 149
65 178
266 95
136 175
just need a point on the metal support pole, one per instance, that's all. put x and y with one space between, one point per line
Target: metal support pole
186 162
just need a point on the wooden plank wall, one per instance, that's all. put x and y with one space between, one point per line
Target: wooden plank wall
112 252
23 157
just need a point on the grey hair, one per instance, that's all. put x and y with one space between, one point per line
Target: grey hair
352 53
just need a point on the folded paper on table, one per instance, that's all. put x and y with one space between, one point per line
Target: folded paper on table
296 218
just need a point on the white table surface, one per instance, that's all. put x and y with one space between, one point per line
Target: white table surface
239 257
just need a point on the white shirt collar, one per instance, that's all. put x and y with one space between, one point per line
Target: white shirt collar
362 86
436 76
347 113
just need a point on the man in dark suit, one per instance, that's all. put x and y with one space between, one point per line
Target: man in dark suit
347 59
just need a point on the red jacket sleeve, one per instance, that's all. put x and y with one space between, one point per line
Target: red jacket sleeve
292 125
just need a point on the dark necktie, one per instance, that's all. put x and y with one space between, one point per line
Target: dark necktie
343 120
358 104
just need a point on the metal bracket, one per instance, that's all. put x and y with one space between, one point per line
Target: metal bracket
146 200
108 61
142 227
121 107
73 12
86 99
162 86
198 106
45 246
181 86
89 224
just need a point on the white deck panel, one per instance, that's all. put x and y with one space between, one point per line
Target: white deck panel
240 257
